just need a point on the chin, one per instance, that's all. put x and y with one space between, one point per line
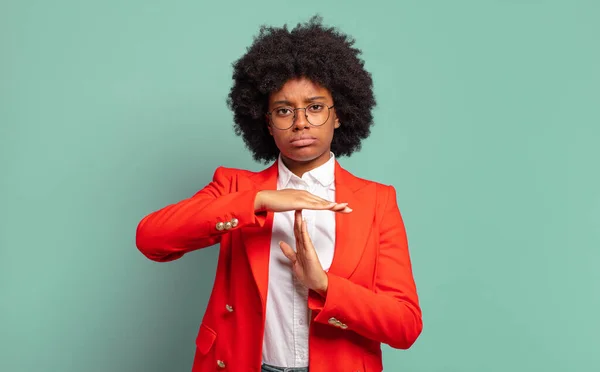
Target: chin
303 154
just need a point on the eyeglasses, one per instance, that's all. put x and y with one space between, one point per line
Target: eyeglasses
283 117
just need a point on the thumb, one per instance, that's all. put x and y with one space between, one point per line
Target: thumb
288 251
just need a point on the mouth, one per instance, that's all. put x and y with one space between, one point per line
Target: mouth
303 141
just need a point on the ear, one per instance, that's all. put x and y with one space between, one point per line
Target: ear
336 123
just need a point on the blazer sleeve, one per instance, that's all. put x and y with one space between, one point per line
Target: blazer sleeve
167 234
390 313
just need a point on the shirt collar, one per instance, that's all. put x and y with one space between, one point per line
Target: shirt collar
323 174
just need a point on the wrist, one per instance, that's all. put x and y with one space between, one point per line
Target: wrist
322 288
258 206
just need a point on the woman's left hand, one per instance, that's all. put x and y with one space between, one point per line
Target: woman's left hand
305 262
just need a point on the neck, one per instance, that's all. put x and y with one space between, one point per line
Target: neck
301 167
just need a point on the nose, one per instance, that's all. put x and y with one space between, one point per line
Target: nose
300 120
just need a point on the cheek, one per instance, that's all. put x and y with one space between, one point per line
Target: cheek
330 132
278 136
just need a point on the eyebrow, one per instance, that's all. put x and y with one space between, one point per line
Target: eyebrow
308 100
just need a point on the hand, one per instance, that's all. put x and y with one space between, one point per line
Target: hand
305 262
294 200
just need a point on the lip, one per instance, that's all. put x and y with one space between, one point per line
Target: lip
303 141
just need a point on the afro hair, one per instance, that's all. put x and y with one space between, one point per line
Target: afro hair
321 54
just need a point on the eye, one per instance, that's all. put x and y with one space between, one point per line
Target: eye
283 111
316 107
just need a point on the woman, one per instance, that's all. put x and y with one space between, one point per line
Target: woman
314 271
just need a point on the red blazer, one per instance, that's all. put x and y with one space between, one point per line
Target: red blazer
371 298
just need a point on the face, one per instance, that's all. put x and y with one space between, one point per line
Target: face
303 144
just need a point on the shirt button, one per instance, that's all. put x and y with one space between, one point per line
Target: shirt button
221 364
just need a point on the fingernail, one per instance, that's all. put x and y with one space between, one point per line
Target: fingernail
349 209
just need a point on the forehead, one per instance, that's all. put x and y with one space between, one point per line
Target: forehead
299 90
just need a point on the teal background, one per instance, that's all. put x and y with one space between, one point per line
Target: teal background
487 124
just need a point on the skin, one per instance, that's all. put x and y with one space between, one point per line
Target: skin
299 93
300 159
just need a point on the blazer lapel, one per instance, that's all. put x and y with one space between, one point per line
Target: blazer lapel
353 229
351 232
257 240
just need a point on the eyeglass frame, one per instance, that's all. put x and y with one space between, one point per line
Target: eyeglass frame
270 113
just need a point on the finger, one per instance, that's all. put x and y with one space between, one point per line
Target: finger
345 210
317 201
339 207
298 230
308 252
328 204
335 207
316 197
297 222
319 204
306 242
312 201
288 251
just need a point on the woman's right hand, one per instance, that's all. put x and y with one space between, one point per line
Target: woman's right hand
293 200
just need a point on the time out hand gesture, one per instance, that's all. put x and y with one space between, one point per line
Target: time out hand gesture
305 262
293 200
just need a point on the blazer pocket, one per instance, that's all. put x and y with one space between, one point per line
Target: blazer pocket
206 339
